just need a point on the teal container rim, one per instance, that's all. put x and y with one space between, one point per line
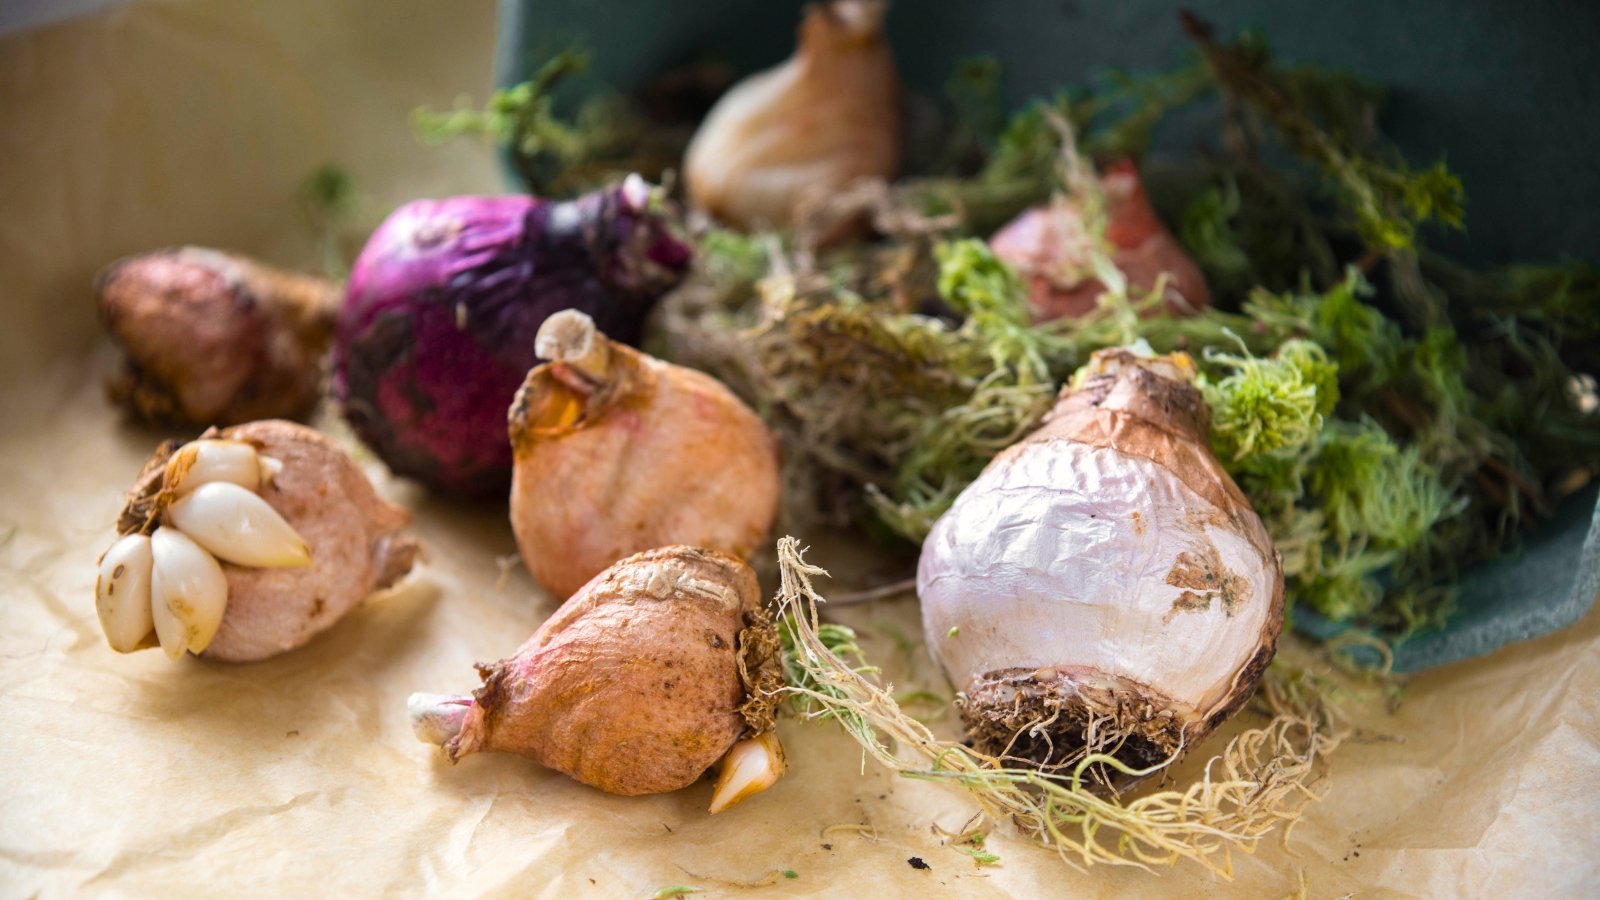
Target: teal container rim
1491 611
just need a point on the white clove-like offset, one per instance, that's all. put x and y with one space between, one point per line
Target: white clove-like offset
750 767
246 543
169 581
236 525
188 592
206 461
122 592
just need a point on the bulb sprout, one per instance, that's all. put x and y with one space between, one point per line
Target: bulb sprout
437 718
570 337
751 766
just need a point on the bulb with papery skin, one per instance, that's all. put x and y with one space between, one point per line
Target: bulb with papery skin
214 338
618 452
634 686
1049 247
1103 585
441 309
826 117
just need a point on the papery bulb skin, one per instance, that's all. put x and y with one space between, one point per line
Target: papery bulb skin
441 310
826 117
354 539
618 452
214 338
1104 574
633 685
1048 246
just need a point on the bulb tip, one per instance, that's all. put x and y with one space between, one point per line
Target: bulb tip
569 334
750 767
636 193
436 718
269 468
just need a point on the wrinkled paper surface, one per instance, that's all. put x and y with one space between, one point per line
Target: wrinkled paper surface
172 122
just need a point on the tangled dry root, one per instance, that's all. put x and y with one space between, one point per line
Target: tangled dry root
760 671
1053 720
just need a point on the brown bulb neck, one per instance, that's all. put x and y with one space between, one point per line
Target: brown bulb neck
1153 391
841 26
586 372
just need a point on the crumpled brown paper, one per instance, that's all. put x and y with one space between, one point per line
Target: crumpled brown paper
299 775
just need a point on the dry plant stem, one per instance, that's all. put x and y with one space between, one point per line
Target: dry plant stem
770 878
881 592
569 337
1261 781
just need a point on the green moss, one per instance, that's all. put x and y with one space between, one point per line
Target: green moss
977 284
521 117
1366 346
1266 405
328 201
1372 490
1207 230
1319 119
730 256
